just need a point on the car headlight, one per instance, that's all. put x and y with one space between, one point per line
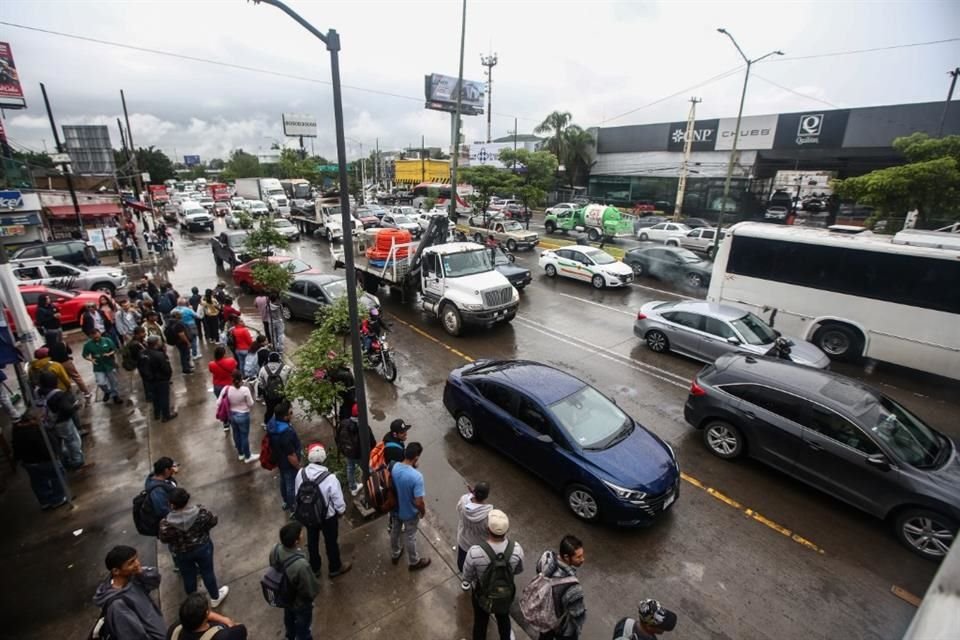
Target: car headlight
627 495
115 274
473 307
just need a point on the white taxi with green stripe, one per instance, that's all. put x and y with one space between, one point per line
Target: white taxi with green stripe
586 263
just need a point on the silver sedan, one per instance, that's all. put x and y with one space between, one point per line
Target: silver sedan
705 331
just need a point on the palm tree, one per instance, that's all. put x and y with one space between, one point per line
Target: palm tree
578 149
555 123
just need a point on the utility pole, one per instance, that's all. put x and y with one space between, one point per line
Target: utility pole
376 168
946 105
454 196
64 166
138 182
684 167
489 62
423 166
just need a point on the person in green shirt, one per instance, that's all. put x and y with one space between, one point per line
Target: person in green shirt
102 352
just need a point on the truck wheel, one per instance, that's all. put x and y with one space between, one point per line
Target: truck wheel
593 235
450 316
710 252
839 341
597 281
511 245
510 316
550 226
550 270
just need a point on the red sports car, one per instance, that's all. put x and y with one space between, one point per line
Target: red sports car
243 274
69 303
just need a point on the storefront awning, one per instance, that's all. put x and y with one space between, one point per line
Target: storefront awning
136 205
66 211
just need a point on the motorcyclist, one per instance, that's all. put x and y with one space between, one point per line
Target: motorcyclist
370 329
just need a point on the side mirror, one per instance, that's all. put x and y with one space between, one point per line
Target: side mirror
879 461
733 341
544 438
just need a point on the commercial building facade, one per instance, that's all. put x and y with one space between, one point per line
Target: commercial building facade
642 162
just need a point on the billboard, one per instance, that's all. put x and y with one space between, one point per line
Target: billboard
440 92
191 161
704 135
811 130
488 154
89 148
299 124
756 132
11 91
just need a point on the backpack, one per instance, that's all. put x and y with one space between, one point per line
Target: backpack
273 389
231 339
495 590
34 373
250 366
101 630
380 490
164 304
537 603
128 360
61 405
378 455
276 587
145 517
310 507
347 438
170 336
207 635
266 453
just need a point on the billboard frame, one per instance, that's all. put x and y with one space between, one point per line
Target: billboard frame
303 125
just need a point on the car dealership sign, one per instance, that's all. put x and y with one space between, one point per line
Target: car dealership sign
756 132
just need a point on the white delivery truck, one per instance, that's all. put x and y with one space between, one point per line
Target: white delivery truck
267 190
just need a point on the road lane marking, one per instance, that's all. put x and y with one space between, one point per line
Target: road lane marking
597 304
750 513
664 291
604 353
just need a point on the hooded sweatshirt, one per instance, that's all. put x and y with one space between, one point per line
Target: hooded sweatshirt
472 526
130 612
299 573
187 529
283 442
567 598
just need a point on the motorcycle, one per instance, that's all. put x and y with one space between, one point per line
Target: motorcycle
378 358
781 348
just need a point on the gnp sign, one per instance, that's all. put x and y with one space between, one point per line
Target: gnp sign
704 135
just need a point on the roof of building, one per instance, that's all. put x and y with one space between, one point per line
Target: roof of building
522 137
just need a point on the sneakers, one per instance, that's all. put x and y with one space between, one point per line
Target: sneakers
355 489
395 559
464 585
197 357
226 428
241 458
422 563
252 458
345 567
221 596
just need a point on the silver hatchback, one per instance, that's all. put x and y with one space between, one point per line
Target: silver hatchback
705 331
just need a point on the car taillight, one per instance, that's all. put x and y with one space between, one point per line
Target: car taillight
696 390
641 315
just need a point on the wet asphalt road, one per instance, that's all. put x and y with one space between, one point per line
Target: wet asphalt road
746 552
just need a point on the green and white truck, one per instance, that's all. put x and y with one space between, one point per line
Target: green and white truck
596 220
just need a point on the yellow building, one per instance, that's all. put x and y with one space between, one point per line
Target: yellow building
412 172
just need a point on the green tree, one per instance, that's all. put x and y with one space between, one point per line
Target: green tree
578 152
156 163
929 182
241 165
487 182
535 174
554 124
261 242
33 159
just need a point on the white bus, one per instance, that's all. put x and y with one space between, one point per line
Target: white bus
853 295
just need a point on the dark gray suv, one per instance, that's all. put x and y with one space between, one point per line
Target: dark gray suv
838 435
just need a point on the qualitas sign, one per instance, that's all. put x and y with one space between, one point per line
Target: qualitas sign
814 129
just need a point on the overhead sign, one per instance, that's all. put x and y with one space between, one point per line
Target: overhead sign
191 161
60 158
299 124
10 200
756 132
488 154
11 91
441 92
704 135
327 167
811 130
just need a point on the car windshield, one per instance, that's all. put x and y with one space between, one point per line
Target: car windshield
402 219
687 256
600 257
336 289
282 222
466 263
513 225
754 330
296 266
906 435
591 419
407 211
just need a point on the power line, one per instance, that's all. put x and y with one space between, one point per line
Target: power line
871 50
802 95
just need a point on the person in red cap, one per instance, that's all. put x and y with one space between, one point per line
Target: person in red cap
42 362
315 479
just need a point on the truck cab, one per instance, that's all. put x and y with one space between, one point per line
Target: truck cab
272 192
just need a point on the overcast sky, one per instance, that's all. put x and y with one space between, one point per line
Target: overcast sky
596 59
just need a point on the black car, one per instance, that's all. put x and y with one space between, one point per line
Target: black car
696 223
503 262
836 434
229 247
670 263
310 293
76 252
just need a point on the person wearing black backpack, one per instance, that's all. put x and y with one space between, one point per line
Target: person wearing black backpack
158 487
318 506
490 567
271 382
301 586
126 608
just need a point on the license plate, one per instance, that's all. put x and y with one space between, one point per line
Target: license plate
669 501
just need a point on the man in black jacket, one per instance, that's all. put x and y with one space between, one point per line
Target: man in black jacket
33 455
48 316
156 372
178 336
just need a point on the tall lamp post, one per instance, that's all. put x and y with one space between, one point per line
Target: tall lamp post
736 133
363 169
332 40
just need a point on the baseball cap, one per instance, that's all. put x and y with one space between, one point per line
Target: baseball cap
400 426
498 523
41 353
316 453
653 614
355 411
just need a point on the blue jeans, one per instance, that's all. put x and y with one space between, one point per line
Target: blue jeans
241 360
71 448
108 383
296 623
287 479
241 432
185 364
44 482
197 560
194 339
352 465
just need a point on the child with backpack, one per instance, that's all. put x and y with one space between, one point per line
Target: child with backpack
490 568
318 506
290 583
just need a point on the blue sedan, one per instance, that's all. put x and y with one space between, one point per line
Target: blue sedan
608 466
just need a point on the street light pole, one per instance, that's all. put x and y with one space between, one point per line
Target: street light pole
454 195
736 133
332 40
